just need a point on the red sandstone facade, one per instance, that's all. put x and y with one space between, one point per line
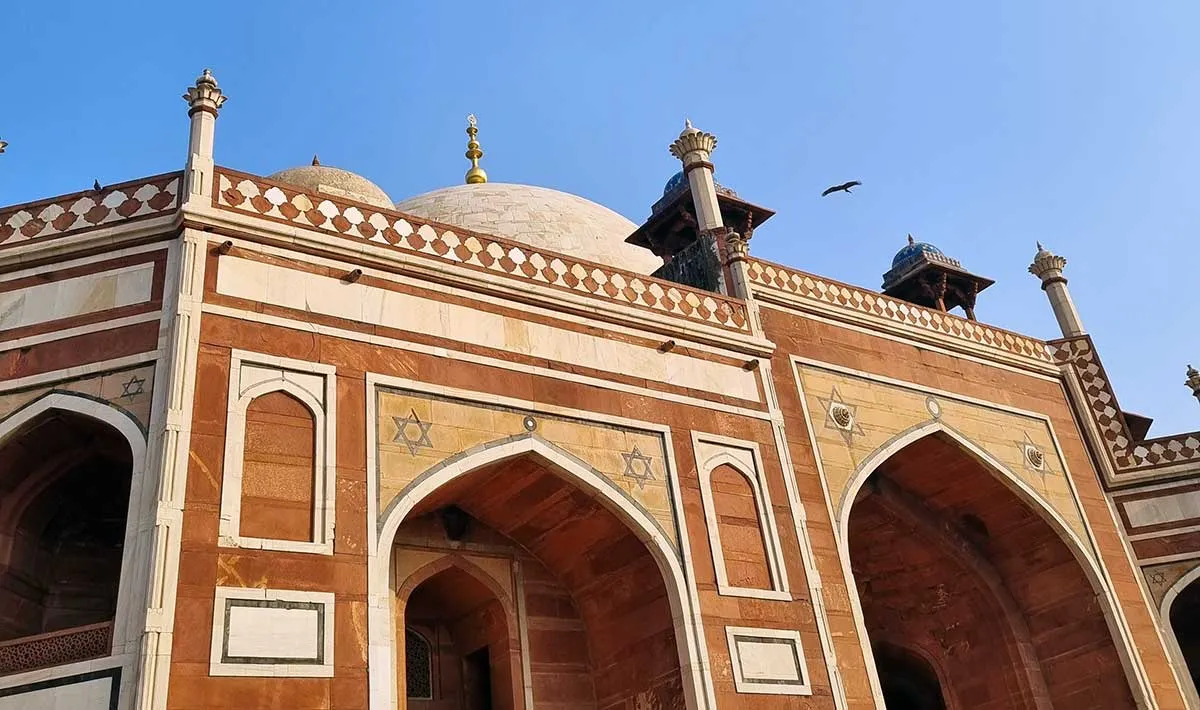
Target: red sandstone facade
266 447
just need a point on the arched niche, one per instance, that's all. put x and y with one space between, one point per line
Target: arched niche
953 514
500 484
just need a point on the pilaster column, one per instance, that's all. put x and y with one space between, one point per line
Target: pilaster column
694 147
204 99
1049 268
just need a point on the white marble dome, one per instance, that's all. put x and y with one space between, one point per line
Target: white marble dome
334 182
537 216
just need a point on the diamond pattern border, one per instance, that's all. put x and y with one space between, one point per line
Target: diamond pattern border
1127 455
247 194
863 301
80 211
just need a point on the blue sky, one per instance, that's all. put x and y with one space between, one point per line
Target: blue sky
979 127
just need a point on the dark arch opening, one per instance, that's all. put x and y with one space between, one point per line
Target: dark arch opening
948 559
1185 623
585 575
471 645
907 680
65 482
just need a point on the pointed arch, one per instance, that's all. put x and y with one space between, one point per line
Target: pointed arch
1096 577
453 561
131 586
381 621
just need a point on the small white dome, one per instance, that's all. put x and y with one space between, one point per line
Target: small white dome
537 216
334 182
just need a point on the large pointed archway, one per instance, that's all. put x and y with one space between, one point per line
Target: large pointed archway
605 615
71 470
952 565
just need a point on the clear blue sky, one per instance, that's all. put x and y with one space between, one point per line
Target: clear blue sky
979 127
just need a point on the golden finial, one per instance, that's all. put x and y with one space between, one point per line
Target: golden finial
476 174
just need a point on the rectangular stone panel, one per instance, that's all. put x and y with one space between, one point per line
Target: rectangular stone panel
96 690
262 631
272 632
767 661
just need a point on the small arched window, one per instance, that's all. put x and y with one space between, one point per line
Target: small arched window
418 666
279 469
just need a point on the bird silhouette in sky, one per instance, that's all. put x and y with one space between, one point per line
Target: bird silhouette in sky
844 187
96 186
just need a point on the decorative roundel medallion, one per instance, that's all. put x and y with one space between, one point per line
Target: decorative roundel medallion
842 416
935 409
1035 457
530 423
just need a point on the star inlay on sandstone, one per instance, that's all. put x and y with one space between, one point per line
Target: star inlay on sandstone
637 466
840 415
1033 458
133 387
413 432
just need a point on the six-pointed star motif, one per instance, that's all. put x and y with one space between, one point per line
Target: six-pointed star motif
413 432
133 387
637 466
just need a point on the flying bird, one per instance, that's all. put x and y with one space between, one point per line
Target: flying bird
3 145
96 186
844 187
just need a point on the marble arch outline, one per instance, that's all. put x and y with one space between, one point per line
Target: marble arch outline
1096 576
693 663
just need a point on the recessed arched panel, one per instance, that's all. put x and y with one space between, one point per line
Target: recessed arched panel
739 529
279 469
277 489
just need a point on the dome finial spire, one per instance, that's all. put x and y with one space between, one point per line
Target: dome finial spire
475 175
316 160
911 240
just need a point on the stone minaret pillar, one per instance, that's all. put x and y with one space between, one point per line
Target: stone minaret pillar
1193 381
1049 268
204 101
693 148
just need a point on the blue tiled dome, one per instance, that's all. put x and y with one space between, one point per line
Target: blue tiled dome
677 181
913 249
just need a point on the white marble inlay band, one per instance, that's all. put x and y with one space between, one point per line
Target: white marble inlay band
282 286
1164 509
77 296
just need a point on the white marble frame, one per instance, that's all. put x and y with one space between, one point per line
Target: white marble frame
762 503
323 406
1095 569
324 669
751 686
695 666
129 619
